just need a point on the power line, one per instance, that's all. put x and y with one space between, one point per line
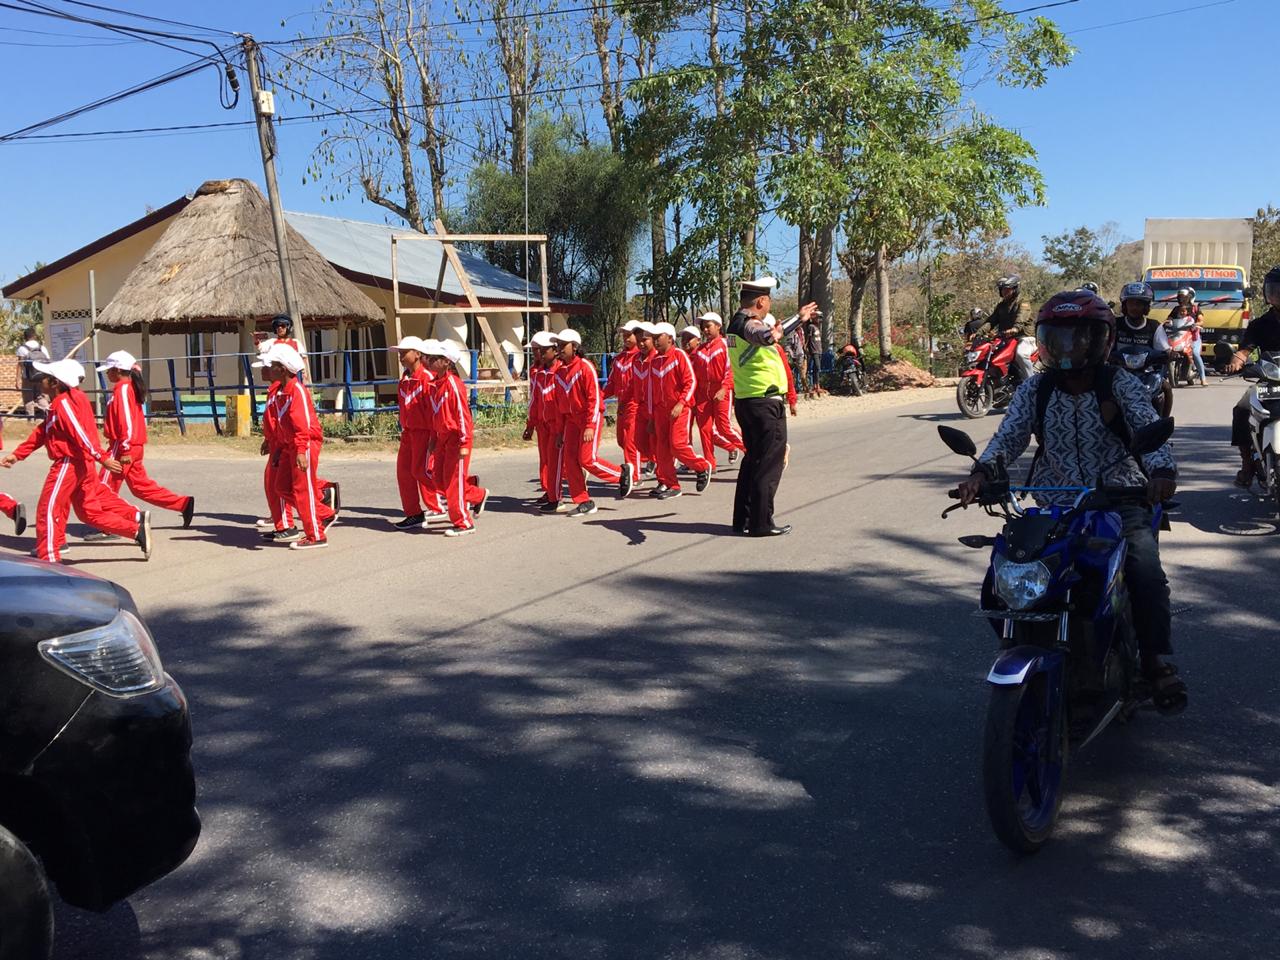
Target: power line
36 8
1152 16
143 16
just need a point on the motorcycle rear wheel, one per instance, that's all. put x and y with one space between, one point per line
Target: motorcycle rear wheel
975 400
1022 772
857 383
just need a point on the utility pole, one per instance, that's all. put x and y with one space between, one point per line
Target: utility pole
263 111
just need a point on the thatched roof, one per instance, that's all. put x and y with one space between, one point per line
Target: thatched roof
216 265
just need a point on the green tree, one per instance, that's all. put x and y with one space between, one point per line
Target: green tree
1266 249
586 199
1077 255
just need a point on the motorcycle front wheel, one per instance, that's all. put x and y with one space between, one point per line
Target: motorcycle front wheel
857 383
974 399
1024 755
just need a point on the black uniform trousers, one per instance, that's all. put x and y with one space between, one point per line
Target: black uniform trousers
763 421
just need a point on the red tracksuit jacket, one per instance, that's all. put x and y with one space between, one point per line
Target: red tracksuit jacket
415 400
64 432
714 370
450 412
640 369
578 393
543 410
619 383
124 423
671 379
297 424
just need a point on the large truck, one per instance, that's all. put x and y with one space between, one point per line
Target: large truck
1212 257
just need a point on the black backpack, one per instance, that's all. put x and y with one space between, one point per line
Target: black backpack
1103 389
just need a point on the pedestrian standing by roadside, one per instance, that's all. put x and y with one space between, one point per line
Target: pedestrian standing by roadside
34 401
674 388
544 415
413 401
125 425
582 411
715 392
760 382
618 386
452 428
793 346
813 355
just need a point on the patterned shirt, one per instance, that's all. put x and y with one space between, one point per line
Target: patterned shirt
1078 444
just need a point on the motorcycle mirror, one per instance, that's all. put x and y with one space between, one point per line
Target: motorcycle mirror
957 441
1250 292
977 542
1152 437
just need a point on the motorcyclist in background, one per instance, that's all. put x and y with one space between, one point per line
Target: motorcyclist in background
977 317
1091 287
1136 328
1262 335
1081 445
1186 313
1012 318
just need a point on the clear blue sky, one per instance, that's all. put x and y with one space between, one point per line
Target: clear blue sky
1106 128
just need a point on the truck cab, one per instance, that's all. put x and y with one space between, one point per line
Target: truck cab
1220 294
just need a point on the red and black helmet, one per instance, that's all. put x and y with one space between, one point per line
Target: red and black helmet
1074 330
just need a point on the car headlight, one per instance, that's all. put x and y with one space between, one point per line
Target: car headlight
1022 584
119 659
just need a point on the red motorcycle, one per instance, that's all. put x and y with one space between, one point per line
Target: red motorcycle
1182 362
989 376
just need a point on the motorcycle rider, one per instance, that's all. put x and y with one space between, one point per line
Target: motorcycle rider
1078 444
1186 313
1262 335
1011 318
1136 328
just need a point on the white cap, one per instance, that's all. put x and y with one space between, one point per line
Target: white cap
645 327
770 320
543 338
453 352
760 286
263 347
68 371
664 327
282 354
712 317
691 331
568 335
632 325
410 343
433 348
119 360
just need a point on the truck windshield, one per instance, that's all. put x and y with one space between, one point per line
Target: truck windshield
1221 291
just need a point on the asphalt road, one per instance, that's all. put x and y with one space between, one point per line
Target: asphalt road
636 736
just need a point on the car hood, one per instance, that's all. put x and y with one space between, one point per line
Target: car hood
40 600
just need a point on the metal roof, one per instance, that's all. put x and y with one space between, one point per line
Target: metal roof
362 251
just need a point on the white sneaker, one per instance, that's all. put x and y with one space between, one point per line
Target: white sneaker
265 523
459 531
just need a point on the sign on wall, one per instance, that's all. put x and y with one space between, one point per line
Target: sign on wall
62 337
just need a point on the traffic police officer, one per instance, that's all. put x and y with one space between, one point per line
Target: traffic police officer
760 384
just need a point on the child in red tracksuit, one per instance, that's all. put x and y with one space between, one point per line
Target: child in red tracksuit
619 386
582 412
641 397
715 392
543 418
69 435
672 385
126 428
452 430
279 523
413 475
299 441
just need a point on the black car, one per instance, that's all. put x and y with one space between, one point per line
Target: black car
97 793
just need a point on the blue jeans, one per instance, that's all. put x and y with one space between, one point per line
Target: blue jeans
815 368
1148 586
1195 353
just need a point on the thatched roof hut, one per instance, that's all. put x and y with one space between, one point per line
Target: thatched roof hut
216 266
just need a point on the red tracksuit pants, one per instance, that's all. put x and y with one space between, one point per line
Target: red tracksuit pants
73 482
548 460
628 414
450 473
716 429
580 457
644 433
140 484
413 473
299 489
7 505
281 513
671 443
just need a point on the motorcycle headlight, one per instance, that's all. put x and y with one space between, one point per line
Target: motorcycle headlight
119 659
1022 584
1134 361
971 356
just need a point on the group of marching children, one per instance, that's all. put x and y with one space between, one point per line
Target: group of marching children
433 466
662 389
83 475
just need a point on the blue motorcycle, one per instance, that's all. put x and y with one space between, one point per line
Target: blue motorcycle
1068 664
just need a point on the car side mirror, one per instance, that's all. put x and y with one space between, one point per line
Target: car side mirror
1152 437
958 441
